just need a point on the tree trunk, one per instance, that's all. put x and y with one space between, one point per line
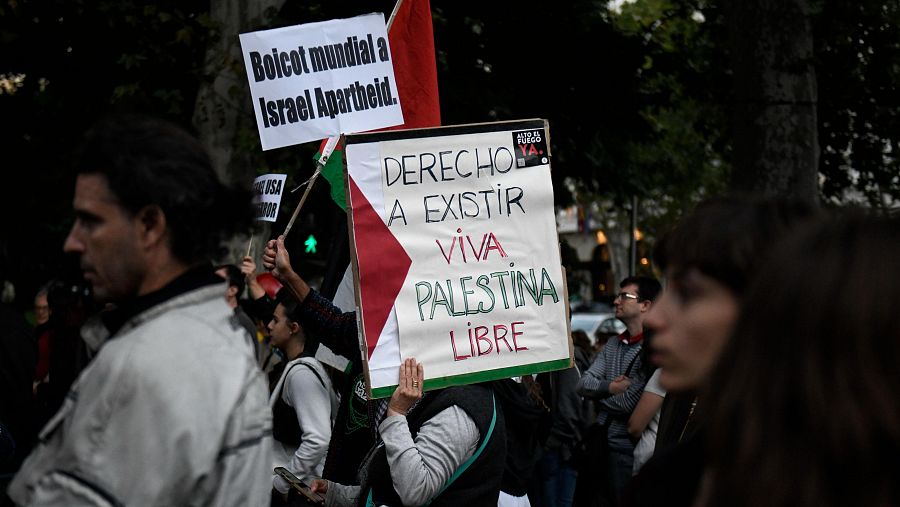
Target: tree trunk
776 149
223 109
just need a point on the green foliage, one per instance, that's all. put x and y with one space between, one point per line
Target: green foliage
685 87
638 99
81 59
858 66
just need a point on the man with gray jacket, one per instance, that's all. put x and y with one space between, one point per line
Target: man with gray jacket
172 410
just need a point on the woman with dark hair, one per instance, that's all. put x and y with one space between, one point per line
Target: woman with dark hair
709 260
804 402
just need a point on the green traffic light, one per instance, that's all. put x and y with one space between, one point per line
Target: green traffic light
310 244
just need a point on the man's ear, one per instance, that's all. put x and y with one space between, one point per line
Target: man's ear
646 305
153 225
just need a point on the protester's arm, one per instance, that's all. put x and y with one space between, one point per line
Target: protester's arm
567 422
318 316
649 404
593 382
420 468
623 404
336 495
312 404
644 411
248 268
277 259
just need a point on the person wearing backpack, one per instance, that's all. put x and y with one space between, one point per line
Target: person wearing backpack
303 402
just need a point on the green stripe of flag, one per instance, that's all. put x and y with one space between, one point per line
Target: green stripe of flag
333 172
480 376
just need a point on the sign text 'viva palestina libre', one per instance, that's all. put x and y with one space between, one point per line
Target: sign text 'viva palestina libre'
330 103
463 297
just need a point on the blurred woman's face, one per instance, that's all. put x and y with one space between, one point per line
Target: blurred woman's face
692 319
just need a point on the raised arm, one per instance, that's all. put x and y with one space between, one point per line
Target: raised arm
420 467
277 260
248 268
318 316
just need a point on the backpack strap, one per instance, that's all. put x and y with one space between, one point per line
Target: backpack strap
631 363
315 372
279 387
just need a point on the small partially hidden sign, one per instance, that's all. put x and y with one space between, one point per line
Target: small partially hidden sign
456 254
318 80
268 189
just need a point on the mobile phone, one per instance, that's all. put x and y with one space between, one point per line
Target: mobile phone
299 485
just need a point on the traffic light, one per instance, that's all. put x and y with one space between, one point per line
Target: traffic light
310 244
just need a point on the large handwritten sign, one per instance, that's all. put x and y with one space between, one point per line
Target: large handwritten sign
456 253
318 80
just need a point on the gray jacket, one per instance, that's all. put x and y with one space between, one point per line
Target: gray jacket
173 411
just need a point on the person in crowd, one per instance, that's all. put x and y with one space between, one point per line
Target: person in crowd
302 399
356 427
527 416
171 410
42 325
42 305
644 420
17 411
235 280
570 415
614 378
582 350
70 307
817 423
262 296
260 307
709 260
584 354
446 448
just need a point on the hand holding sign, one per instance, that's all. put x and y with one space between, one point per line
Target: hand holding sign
276 257
409 389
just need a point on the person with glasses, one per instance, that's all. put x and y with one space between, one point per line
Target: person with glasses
615 380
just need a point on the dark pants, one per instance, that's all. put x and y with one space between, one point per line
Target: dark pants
618 472
559 479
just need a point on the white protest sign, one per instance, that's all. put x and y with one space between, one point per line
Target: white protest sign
268 189
456 253
318 80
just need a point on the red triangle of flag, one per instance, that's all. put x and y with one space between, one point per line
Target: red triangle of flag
383 265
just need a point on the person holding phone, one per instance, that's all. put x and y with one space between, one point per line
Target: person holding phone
303 401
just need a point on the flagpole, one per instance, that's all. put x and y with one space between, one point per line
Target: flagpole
329 146
323 159
393 15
